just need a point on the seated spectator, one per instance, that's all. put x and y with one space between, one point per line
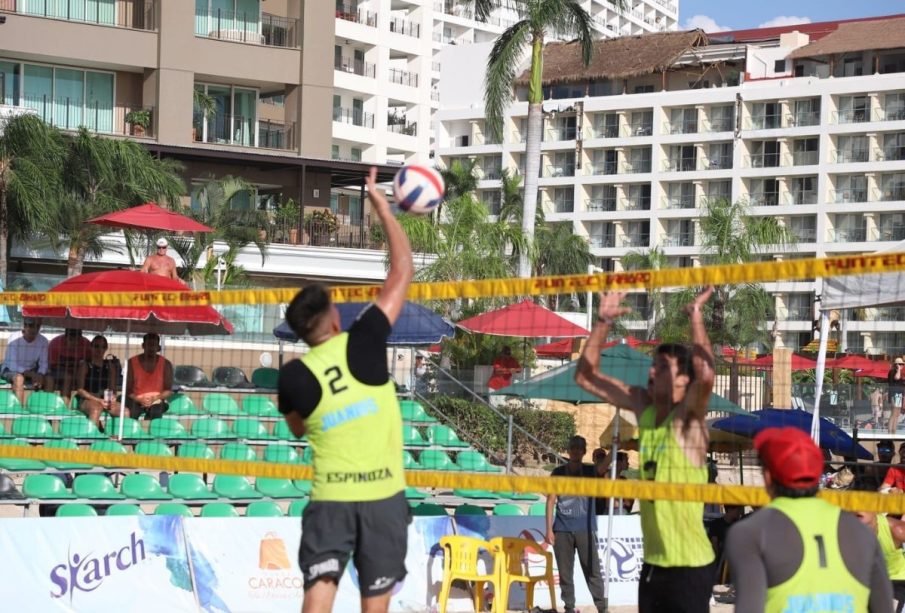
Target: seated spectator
26 360
95 383
602 468
149 381
895 476
64 354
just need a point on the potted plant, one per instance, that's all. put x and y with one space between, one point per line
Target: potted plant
204 106
320 226
139 119
287 218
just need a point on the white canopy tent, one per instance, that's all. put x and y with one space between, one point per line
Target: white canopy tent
849 292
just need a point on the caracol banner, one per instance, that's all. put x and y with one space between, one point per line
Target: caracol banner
159 563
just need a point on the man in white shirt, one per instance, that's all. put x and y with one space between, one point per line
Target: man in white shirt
26 360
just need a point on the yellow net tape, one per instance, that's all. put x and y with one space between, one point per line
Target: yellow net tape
762 272
643 490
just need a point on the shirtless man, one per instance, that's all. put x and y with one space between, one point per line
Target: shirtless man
160 263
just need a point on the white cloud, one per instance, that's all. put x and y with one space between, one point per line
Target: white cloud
703 22
784 20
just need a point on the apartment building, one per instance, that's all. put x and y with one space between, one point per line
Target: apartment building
805 123
138 68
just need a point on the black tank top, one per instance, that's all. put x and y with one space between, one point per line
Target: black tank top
96 379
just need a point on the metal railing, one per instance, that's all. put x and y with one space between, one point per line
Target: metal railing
355 117
563 206
680 164
894 113
69 113
602 242
559 170
601 168
678 239
681 127
850 156
805 158
401 127
561 133
891 194
346 236
601 131
638 203
858 115
849 195
351 12
802 119
355 66
800 197
634 240
889 154
492 173
131 14
639 166
722 162
247 27
678 202
243 131
719 125
638 129
598 205
403 77
405 27
276 134
763 122
762 160
848 235
763 199
890 232
804 235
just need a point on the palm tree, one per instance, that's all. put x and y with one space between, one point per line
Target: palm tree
562 18
650 259
219 206
102 175
30 159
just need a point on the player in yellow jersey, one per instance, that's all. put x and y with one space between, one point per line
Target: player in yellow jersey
800 553
340 395
891 535
677 575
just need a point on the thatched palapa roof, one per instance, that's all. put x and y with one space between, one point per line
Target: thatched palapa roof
857 36
616 58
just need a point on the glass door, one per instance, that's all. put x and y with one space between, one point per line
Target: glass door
245 121
38 90
218 125
99 99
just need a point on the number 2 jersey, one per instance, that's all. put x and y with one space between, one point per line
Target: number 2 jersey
352 418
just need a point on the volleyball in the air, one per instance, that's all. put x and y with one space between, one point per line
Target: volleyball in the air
418 189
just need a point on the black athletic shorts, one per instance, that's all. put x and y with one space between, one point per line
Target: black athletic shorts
680 589
374 533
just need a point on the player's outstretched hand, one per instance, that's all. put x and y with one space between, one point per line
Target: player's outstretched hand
611 306
699 301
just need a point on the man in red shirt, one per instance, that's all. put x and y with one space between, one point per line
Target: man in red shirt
895 476
503 368
64 354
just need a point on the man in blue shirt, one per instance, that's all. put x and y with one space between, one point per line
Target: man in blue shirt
574 529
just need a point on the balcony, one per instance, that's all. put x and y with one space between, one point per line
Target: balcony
130 14
889 232
602 242
894 193
763 199
355 66
762 160
490 173
559 170
802 119
223 129
561 133
638 129
678 202
681 127
349 12
680 164
889 154
69 113
600 205
563 206
678 239
247 27
800 197
848 235
405 27
841 196
355 117
857 115
636 167
721 162
805 235
892 113
634 240
601 168
348 233
805 158
764 122
638 203
800 313
851 156
399 125
601 131
719 125
402 77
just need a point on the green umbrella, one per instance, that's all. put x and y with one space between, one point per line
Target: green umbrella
619 361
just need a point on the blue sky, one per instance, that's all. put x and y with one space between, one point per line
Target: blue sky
713 15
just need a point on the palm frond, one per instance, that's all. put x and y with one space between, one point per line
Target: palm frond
505 60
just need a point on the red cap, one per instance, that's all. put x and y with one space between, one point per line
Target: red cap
791 456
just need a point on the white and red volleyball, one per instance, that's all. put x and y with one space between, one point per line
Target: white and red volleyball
418 189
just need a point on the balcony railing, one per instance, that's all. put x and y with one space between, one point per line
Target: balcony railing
351 12
851 156
559 170
638 129
401 126
891 113
355 66
678 239
805 158
719 125
636 167
243 131
247 27
721 162
800 197
637 203
601 131
490 173
849 195
680 164
634 240
763 199
68 113
554 134
563 206
681 127
889 154
678 202
602 242
599 205
131 14
805 235
348 235
892 194
802 119
601 168
889 232
405 27
764 122
402 77
355 117
856 115
848 235
762 160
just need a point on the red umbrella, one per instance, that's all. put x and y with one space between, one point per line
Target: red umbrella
880 370
150 216
557 349
798 362
852 362
170 320
522 319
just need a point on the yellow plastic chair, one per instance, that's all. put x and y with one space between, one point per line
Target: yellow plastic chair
460 562
511 565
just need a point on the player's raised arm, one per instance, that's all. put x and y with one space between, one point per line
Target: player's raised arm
402 269
701 356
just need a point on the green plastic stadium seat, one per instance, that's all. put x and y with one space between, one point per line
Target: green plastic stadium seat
429 509
251 429
297 507
158 448
284 454
303 485
33 427
409 461
519 496
413 411
411 437
132 430
196 450
282 432
189 487
123 508
180 404
263 508
46 487
538 509
79 428
259 406
221 404
168 429
234 487
65 444
238 451
212 428
413 493
508 510
444 436
469 509
95 487
107 447
474 461
10 405
46 403
265 377
143 487
173 508
435 459
475 494
16 464
76 509
219 509
277 488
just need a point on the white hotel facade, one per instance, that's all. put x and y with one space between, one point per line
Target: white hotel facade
809 129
